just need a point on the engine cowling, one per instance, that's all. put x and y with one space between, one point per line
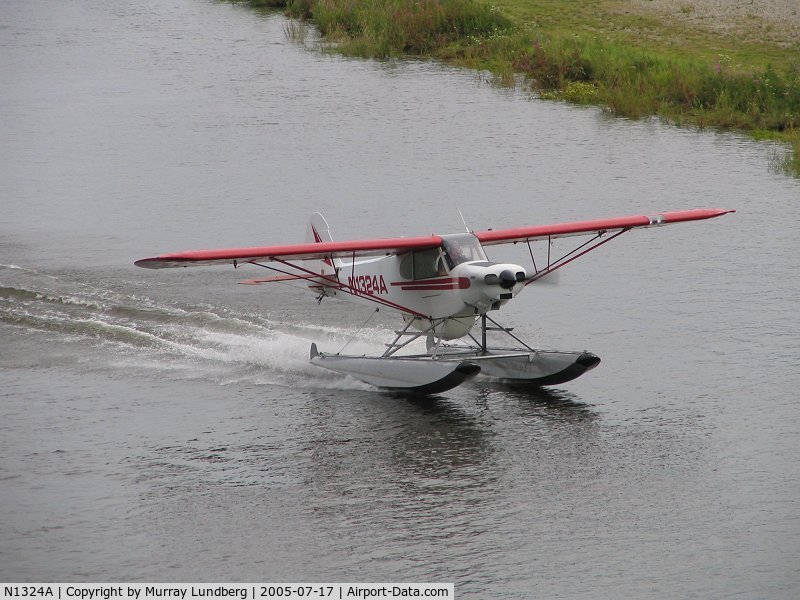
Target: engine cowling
491 282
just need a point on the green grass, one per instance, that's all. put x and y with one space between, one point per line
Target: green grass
381 28
614 22
586 52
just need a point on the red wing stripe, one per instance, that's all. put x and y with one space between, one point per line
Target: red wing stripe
378 247
312 250
585 227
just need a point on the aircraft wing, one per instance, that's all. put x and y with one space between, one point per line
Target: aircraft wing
311 250
388 246
545 232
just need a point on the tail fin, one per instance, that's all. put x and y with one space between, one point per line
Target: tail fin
319 231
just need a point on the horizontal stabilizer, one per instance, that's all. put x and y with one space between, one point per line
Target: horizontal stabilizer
275 279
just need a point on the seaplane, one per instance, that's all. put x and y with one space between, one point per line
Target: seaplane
443 287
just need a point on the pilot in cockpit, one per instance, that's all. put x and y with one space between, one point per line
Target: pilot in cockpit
456 254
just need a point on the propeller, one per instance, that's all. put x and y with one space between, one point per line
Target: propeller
551 278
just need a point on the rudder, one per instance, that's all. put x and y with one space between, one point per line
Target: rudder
318 231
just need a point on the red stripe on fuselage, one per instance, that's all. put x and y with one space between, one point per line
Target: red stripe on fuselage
441 283
425 288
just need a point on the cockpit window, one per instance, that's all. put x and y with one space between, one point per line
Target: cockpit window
462 248
429 263
423 264
435 262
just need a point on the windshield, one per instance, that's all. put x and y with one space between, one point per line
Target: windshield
462 247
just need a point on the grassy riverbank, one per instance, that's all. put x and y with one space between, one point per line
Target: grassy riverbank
635 59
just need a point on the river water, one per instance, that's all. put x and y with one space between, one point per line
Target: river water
165 426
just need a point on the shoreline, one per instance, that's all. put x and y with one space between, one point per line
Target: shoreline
727 65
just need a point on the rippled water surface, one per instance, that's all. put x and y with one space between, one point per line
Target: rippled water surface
159 426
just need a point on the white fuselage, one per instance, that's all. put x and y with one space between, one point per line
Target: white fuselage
454 282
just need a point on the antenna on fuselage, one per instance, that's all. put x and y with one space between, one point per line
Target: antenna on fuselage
463 220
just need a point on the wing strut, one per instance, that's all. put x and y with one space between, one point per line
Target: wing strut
565 260
348 289
533 260
352 337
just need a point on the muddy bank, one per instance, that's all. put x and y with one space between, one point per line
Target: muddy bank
773 21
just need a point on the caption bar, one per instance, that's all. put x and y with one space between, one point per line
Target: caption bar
227 591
